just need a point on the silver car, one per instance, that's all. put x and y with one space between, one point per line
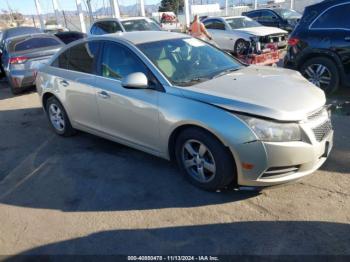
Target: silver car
128 24
22 56
179 98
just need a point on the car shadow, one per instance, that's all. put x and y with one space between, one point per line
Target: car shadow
295 238
39 169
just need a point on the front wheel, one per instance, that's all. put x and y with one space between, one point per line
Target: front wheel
322 72
241 47
204 160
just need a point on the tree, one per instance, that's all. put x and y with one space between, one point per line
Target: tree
12 16
171 6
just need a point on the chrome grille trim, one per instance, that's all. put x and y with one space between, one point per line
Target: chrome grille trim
322 130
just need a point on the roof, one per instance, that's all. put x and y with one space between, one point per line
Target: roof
120 19
140 37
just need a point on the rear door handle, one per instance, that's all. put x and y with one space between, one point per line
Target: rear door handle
103 94
347 38
64 82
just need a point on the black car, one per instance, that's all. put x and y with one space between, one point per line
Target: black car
12 32
319 47
285 19
69 36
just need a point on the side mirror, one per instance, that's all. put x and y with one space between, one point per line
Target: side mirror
136 80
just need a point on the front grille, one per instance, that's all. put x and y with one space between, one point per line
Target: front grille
322 130
280 171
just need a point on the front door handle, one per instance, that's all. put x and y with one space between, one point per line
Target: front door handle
103 94
64 82
347 38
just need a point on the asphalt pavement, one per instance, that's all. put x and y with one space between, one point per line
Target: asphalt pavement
87 195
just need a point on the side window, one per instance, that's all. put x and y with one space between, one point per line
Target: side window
62 60
208 24
118 61
217 24
267 16
80 58
254 15
335 17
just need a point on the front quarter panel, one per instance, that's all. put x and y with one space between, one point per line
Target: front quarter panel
176 111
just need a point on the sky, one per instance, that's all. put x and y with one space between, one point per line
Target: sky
28 6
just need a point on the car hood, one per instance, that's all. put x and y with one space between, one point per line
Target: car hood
262 30
275 93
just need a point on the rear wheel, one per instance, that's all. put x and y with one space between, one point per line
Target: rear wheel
322 72
204 160
58 118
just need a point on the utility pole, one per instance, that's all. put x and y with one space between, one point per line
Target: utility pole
226 7
33 21
115 8
88 2
38 11
56 9
291 4
187 13
142 8
255 4
81 15
65 19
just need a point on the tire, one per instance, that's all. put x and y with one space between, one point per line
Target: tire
15 90
239 43
58 118
322 72
2 71
217 165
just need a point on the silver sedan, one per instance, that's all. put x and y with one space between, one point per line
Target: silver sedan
181 99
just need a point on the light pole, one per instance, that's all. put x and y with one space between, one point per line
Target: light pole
38 11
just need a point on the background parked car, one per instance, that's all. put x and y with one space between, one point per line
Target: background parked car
70 36
23 55
285 19
319 47
113 25
236 33
12 32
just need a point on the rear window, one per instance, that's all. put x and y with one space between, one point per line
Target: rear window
106 27
22 31
140 25
33 43
336 17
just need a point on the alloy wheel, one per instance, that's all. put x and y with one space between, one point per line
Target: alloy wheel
319 75
56 117
198 161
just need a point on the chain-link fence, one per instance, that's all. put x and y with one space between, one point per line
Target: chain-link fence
69 18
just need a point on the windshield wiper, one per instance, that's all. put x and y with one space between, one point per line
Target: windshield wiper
225 72
192 81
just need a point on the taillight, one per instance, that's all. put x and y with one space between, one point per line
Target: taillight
18 60
293 41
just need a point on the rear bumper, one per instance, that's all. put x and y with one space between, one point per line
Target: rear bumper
20 79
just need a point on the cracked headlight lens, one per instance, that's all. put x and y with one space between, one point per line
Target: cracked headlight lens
273 131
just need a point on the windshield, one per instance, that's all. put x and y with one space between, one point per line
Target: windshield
241 22
288 13
140 25
187 61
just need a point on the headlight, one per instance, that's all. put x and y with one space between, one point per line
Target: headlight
273 131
